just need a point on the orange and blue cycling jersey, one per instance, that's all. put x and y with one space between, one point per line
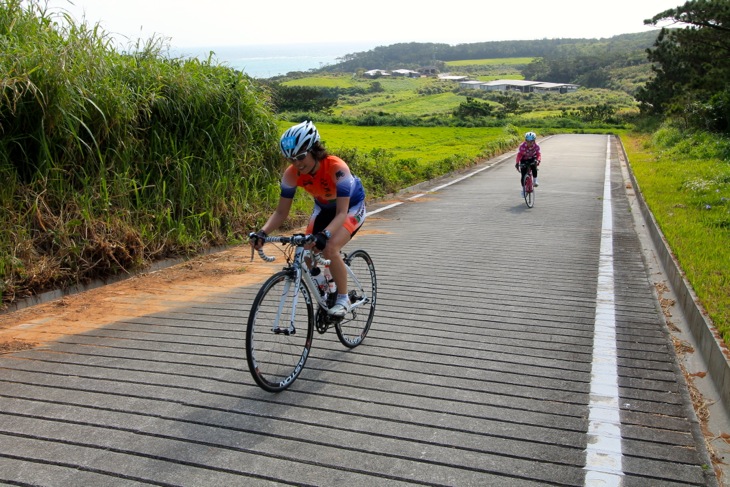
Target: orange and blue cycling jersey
333 179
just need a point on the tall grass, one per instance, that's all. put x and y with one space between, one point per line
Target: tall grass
112 158
685 178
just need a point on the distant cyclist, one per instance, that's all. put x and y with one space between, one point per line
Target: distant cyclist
339 201
528 158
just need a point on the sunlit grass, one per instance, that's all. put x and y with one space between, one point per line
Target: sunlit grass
427 144
686 183
389 84
407 104
389 159
328 81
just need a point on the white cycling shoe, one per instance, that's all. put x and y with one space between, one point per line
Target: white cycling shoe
339 310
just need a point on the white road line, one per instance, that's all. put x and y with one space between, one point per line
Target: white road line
603 453
438 187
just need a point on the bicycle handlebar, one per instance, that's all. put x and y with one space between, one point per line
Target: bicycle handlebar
295 240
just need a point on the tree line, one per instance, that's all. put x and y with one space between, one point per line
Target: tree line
415 54
691 81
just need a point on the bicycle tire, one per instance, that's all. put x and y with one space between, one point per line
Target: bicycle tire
363 292
275 359
529 192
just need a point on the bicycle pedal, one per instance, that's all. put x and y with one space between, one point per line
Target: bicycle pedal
286 331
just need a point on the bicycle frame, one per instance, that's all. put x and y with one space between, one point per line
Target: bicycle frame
528 173
300 266
302 274
527 186
276 351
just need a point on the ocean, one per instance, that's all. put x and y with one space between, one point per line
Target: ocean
266 61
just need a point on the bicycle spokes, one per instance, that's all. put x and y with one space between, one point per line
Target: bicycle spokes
279 332
286 305
362 289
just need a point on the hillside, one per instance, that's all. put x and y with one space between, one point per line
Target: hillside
619 62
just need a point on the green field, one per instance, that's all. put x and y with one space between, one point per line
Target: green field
405 104
429 96
390 85
426 144
328 81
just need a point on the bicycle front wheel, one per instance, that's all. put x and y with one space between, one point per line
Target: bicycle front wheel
362 288
279 332
529 191
530 198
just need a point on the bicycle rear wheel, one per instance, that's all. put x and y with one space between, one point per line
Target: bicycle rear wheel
278 340
362 287
529 192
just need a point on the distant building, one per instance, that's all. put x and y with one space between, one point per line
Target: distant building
470 85
523 86
376 73
555 88
428 71
450 77
406 72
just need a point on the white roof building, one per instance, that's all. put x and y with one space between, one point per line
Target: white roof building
376 72
453 77
521 85
405 72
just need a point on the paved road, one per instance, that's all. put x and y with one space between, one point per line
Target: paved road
511 346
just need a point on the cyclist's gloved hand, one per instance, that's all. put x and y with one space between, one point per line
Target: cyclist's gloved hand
257 239
517 166
320 240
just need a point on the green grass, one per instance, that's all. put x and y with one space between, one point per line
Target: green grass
406 104
426 144
685 180
390 85
328 81
389 159
111 160
493 77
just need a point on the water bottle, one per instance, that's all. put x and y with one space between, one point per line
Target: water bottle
332 287
320 280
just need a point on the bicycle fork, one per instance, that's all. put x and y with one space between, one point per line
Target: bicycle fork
291 329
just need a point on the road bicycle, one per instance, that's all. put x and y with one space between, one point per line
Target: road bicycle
283 317
529 186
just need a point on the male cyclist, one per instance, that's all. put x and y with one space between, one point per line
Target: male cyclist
528 158
339 201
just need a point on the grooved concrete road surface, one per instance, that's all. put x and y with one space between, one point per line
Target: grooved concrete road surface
511 346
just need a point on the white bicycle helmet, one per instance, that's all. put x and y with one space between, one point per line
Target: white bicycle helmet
298 139
530 136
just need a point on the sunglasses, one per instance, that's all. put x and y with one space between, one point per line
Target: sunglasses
299 157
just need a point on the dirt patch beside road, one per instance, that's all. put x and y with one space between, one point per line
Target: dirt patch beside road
140 295
137 296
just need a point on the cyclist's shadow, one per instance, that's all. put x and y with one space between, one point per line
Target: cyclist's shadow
519 208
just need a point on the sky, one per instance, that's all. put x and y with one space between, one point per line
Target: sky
195 23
